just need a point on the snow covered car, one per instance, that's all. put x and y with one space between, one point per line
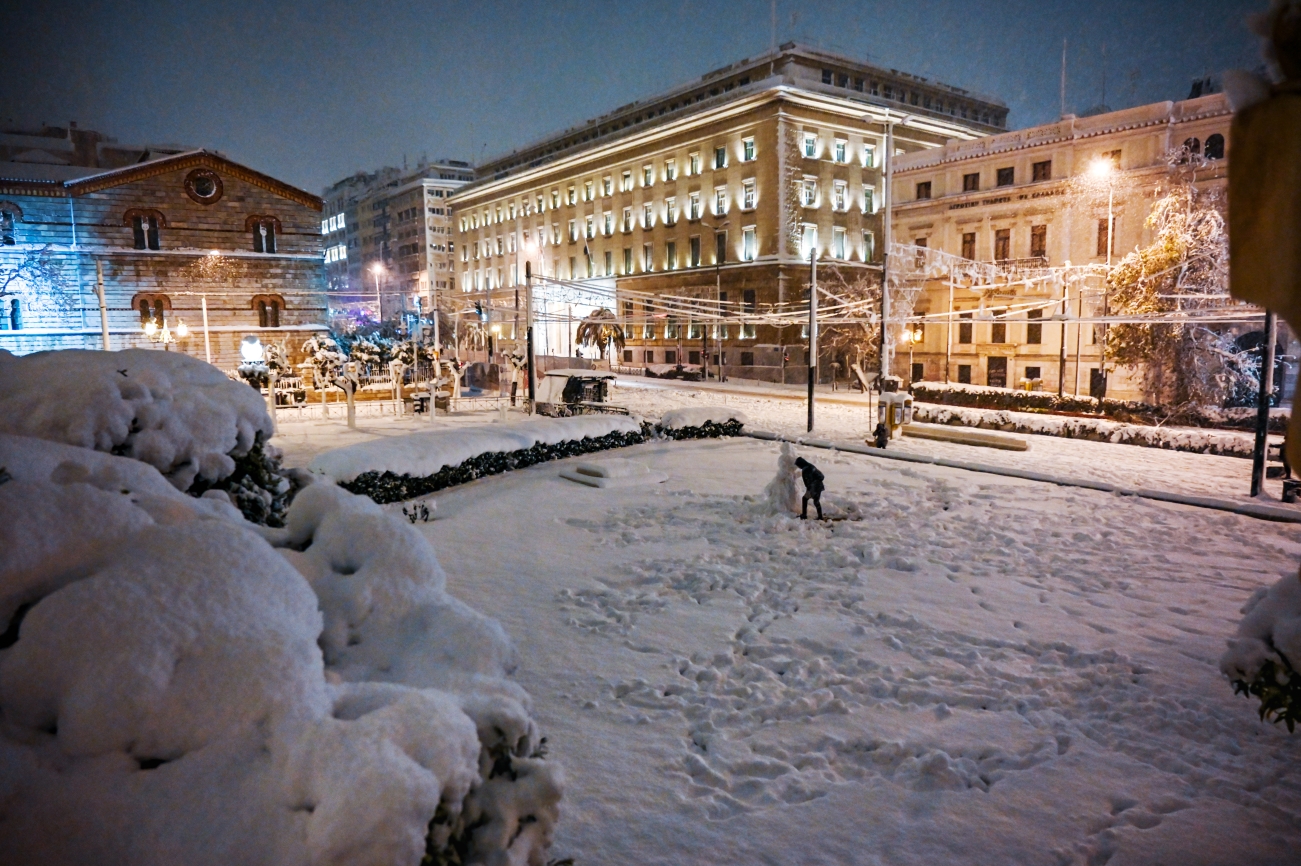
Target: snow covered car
576 392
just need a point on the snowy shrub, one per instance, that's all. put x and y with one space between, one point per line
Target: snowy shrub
1125 411
200 429
1259 660
178 690
703 422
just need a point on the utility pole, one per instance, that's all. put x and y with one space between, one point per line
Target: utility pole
528 330
813 328
103 306
888 196
1262 405
1061 349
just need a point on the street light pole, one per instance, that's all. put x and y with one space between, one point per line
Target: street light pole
376 269
528 330
888 197
813 328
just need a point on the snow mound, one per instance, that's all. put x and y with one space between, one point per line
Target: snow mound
698 416
178 690
423 454
174 412
1270 627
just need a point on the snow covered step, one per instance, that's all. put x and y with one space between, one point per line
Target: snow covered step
615 472
965 436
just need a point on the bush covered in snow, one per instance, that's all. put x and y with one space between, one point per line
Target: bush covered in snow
180 686
1093 429
1124 411
180 415
1260 658
703 422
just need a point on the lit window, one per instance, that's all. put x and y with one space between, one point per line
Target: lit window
693 255
749 243
747 150
647 175
671 256
869 155
625 184
809 241
627 219
693 206
842 150
869 246
627 260
647 215
573 195
809 192
837 243
748 194
607 186
648 261
590 228
693 164
609 224
555 199
609 263
840 196
720 201
720 157
325 227
587 191
810 145
573 231
869 199
670 169
541 203
670 211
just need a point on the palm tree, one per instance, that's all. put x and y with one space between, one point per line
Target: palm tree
600 329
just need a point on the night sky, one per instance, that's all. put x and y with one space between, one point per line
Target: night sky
311 92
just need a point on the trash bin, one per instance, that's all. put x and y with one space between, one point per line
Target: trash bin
895 410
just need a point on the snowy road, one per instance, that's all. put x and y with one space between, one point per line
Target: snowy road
966 669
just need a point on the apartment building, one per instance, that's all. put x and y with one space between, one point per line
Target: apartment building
716 191
1031 202
388 235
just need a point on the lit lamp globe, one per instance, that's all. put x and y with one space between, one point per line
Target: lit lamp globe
182 329
250 350
1100 169
151 328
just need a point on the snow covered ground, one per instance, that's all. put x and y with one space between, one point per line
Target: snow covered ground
965 669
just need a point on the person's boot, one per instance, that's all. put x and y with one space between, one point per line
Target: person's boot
804 513
818 503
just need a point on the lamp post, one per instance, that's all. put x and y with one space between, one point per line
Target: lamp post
1102 169
718 305
887 231
378 269
162 334
912 336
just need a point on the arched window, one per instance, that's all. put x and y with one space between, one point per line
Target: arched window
144 227
268 309
1214 146
152 306
10 215
264 230
1193 145
16 314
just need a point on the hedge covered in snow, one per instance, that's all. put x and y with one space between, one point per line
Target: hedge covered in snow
1094 429
181 686
183 417
1124 411
1260 660
405 467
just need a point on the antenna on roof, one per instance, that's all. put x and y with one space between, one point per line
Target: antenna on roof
1104 73
1063 114
774 25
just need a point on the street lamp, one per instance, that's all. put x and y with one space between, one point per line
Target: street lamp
912 336
1103 170
378 269
718 305
156 334
888 202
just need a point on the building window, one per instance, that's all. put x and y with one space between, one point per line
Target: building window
1215 146
869 156
809 242
627 355
964 332
964 374
144 226
1002 245
1192 146
720 201
1103 237
969 245
609 263
203 186
670 169
693 256
589 229
1114 156
670 355
748 195
924 189
671 255
670 212
608 223
648 257
747 150
268 310
1039 242
809 192
647 175
587 190
749 306
971 182
749 243
693 206
625 181
841 150
555 199
264 231
693 164
1006 176
869 199
650 353
647 215
1042 171
810 145
720 247
1034 331
627 260
838 243
607 186
152 307
998 330
840 196
6 228
627 219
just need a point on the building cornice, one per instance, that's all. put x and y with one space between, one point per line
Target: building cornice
193 159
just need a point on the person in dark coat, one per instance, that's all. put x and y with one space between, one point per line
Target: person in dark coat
812 487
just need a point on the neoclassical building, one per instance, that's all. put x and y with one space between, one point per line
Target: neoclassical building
715 192
97 255
1029 202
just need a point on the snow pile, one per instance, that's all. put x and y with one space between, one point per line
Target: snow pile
676 419
1194 440
178 414
781 494
421 454
1260 658
177 690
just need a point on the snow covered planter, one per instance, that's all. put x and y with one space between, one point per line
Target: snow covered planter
391 470
704 422
1094 429
180 686
180 415
1260 659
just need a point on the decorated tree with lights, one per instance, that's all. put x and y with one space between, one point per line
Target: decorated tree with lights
37 279
602 330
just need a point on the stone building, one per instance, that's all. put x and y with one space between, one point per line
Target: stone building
716 191
388 234
90 256
1025 203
